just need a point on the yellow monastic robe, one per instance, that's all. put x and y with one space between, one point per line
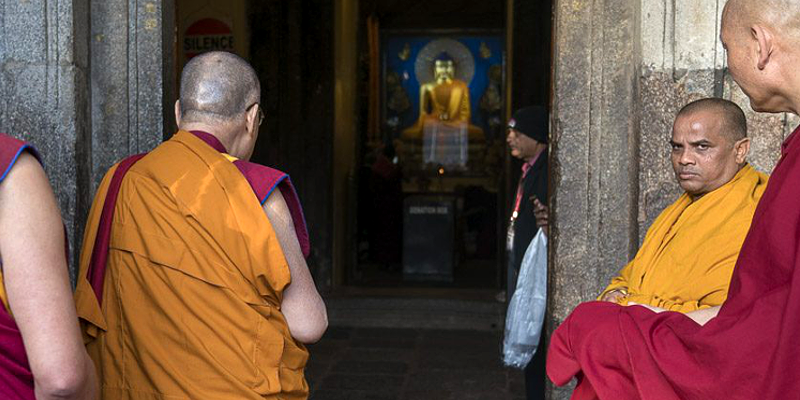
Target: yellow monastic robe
688 255
191 305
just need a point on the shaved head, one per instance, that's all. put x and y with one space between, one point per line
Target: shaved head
783 15
730 115
217 87
709 145
762 43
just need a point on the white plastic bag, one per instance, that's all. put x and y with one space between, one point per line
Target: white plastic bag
525 315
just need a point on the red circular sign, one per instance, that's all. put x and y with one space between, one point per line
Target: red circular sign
207 34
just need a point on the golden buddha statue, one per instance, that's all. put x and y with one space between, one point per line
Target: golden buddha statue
444 103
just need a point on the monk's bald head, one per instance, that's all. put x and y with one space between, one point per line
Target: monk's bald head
783 15
731 118
762 43
709 145
217 87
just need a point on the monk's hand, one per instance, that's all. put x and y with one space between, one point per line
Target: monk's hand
649 307
703 315
541 213
614 296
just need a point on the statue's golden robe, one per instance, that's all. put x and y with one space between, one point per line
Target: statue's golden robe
446 104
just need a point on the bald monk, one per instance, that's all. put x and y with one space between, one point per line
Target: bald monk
193 280
41 354
688 255
747 348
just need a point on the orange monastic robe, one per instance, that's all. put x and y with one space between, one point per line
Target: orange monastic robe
688 255
191 304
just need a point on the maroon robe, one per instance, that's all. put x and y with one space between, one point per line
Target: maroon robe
263 180
16 380
749 351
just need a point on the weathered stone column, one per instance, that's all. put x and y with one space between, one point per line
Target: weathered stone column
594 150
87 84
133 79
43 91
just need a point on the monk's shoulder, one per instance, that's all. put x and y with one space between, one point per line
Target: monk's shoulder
757 184
164 158
25 174
16 153
262 179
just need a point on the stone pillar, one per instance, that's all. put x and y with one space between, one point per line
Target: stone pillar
622 70
43 91
132 79
87 85
594 147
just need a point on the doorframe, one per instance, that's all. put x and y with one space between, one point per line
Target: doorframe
345 27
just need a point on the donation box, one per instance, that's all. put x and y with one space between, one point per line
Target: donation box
428 238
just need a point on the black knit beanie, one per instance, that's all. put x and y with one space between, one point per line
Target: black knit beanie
532 122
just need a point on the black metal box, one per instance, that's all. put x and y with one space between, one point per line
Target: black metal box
428 238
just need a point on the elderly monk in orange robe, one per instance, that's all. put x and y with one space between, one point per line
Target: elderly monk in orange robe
41 355
193 283
687 258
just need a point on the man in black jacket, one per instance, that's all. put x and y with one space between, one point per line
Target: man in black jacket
527 140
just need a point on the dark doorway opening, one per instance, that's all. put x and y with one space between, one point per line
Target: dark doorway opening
422 223
291 45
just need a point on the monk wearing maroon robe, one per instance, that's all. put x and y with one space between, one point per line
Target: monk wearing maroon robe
748 348
41 355
193 280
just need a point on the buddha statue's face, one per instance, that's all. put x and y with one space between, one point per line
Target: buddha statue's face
444 70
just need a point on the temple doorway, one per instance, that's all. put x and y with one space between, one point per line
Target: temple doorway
390 118
433 177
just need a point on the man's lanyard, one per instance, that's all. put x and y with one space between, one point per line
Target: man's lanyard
518 202
520 190
521 186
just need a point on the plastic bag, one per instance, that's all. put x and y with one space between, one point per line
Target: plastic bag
525 315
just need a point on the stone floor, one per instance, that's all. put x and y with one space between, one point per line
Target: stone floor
410 364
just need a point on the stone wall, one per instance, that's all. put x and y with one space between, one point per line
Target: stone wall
622 71
43 94
87 83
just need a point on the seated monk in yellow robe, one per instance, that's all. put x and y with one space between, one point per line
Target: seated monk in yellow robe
193 283
688 254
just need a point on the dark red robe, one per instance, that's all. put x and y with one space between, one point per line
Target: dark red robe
16 380
749 351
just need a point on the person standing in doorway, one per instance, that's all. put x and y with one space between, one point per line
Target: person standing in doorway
527 141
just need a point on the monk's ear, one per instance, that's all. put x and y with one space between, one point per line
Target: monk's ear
178 112
742 149
251 119
766 44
